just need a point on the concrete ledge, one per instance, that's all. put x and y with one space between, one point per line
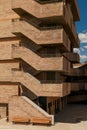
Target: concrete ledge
46 121
20 120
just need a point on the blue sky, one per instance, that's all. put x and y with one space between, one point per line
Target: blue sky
82 30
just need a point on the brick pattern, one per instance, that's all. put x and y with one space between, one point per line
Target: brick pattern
39 36
31 83
18 107
6 91
58 9
10 23
40 11
43 63
3 110
6 11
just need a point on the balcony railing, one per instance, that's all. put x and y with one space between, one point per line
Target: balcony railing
78 72
77 86
73 57
75 72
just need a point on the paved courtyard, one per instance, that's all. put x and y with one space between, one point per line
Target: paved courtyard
72 117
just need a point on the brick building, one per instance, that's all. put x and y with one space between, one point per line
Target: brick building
78 81
37 38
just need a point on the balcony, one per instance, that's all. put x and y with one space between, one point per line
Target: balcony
78 72
73 57
75 72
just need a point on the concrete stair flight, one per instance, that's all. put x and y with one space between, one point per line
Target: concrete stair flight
28 108
36 87
41 10
59 14
45 89
42 37
37 62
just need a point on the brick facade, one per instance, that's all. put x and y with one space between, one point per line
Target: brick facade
36 56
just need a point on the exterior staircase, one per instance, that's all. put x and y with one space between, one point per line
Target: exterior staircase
59 13
42 10
42 37
35 86
45 89
27 109
39 63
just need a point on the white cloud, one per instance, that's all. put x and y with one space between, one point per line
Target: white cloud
82 49
83 57
85 47
83 37
77 50
84 31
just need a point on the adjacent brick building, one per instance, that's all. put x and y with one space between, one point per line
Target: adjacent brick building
78 81
37 38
